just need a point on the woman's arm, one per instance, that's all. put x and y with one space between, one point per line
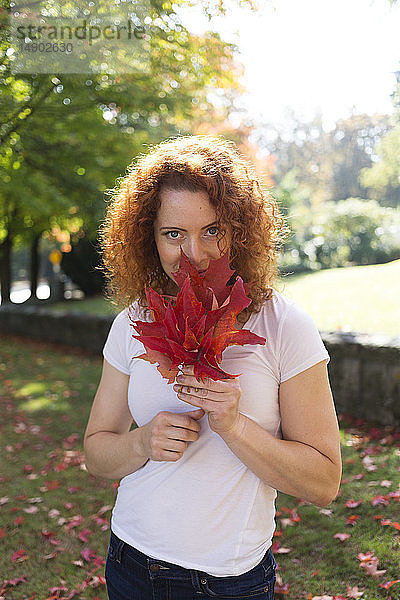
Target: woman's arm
112 451
306 463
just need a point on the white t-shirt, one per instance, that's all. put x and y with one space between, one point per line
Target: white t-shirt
208 511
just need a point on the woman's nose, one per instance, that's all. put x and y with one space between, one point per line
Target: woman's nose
197 254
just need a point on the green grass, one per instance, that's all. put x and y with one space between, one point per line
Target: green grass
46 393
363 299
93 306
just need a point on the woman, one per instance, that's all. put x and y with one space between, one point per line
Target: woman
194 516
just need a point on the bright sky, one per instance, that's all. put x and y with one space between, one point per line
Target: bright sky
310 55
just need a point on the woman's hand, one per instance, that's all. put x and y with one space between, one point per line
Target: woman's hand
166 436
219 399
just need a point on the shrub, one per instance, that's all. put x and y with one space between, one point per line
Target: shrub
345 233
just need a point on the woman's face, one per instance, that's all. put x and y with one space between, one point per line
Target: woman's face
187 219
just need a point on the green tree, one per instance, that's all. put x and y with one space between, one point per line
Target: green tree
66 138
353 142
383 177
344 233
326 164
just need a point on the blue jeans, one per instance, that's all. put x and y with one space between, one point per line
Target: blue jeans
131 575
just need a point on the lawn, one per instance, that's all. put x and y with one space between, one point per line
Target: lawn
55 517
363 299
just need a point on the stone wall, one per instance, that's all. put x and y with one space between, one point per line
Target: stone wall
61 327
364 369
365 375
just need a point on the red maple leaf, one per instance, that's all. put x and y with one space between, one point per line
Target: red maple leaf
195 327
388 584
380 500
19 556
352 503
342 536
352 519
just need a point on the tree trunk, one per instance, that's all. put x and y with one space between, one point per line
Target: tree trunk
34 265
5 268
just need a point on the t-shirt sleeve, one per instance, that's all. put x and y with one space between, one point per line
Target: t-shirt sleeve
115 350
300 344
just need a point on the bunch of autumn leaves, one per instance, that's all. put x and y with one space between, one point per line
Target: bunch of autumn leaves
197 326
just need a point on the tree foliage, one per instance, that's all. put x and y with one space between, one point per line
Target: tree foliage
343 233
65 138
383 177
323 165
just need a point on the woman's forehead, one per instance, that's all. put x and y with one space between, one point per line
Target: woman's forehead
185 203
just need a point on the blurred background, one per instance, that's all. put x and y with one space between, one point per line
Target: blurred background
310 92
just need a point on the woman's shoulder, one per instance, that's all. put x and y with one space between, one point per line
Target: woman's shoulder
281 312
130 313
278 305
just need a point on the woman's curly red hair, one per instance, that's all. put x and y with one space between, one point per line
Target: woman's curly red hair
193 163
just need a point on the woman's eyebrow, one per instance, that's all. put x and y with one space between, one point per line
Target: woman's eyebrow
180 228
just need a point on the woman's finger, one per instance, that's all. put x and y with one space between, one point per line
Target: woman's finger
205 404
209 384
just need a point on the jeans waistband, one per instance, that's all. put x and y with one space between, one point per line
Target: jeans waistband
157 566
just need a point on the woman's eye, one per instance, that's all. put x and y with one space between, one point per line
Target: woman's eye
214 231
170 234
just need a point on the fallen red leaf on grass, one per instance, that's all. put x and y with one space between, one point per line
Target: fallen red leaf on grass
353 592
282 589
371 567
31 510
352 519
49 535
83 535
353 503
88 554
369 463
55 592
50 485
74 522
50 556
365 557
8 582
19 556
104 524
69 441
388 584
380 500
342 536
60 467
